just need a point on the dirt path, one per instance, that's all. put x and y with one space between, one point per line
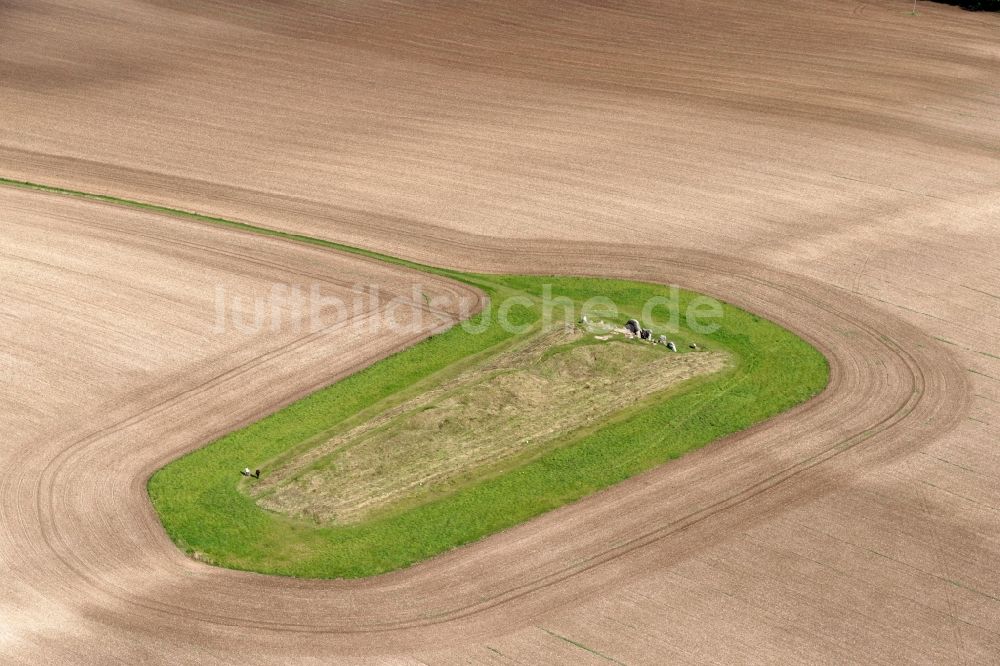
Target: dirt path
833 169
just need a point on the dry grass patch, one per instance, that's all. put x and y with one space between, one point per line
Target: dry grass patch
518 402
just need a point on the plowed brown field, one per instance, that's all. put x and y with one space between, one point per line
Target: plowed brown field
833 166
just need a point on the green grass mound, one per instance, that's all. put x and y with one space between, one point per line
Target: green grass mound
211 513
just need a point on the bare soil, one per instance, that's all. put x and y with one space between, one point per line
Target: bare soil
831 166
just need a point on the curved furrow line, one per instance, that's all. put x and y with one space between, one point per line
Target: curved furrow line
910 394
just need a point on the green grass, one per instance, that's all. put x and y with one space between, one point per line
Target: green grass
198 498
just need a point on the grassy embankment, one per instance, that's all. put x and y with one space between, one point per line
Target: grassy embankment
204 511
200 501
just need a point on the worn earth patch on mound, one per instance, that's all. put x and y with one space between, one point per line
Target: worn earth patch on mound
521 401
